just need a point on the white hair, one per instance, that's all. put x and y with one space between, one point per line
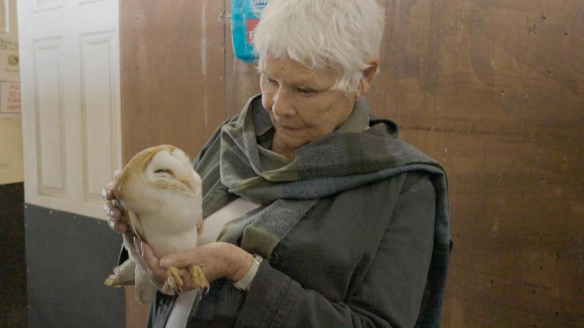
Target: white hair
321 34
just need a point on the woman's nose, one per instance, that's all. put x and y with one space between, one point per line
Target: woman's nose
282 106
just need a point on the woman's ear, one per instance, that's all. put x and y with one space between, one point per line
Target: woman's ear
367 78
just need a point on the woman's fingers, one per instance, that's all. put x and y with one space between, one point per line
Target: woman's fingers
115 222
216 259
112 210
107 192
178 260
118 226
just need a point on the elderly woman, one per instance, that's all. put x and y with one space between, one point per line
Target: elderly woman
326 219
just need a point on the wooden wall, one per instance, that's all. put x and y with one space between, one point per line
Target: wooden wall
493 89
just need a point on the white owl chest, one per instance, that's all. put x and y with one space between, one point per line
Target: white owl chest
172 228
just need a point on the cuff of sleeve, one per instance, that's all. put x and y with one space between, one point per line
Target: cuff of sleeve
244 283
269 299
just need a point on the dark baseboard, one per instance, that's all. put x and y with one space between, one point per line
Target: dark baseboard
68 257
12 257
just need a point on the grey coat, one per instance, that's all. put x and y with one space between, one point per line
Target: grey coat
367 257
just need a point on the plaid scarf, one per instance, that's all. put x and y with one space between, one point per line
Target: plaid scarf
345 159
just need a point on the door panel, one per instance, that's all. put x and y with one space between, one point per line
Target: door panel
50 118
99 113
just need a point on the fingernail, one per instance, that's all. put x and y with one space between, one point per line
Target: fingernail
103 193
166 262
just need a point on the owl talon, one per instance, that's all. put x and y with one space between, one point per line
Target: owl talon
174 280
198 278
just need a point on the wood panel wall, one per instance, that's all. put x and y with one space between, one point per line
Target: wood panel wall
493 89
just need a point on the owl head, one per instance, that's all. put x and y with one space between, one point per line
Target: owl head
153 175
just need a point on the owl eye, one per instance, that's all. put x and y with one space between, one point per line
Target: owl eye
163 171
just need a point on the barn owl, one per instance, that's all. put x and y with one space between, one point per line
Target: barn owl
161 196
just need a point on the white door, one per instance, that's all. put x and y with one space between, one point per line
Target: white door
69 59
11 167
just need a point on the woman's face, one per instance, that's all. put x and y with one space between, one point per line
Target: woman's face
302 107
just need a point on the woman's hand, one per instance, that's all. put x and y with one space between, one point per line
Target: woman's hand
218 260
112 210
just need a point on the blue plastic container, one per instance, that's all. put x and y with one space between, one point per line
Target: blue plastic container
245 15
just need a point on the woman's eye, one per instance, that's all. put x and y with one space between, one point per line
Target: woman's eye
305 92
271 81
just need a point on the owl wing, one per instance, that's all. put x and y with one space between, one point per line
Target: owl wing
125 273
135 230
135 226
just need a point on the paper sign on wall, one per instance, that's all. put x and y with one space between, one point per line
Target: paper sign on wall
10 98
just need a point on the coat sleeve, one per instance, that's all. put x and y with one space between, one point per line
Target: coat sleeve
391 293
